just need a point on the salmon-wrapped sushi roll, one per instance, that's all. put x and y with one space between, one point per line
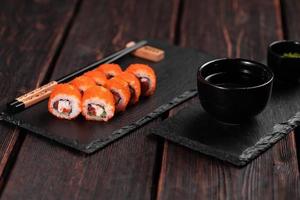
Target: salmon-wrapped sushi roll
119 88
65 101
110 70
97 76
83 83
147 77
98 104
134 86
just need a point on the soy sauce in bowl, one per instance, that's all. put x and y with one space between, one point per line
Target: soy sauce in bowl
234 90
233 80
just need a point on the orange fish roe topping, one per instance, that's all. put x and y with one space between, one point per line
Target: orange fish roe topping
101 93
66 89
98 76
110 70
83 83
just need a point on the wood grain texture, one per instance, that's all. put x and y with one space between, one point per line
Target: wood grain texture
189 175
231 29
290 10
29 40
123 170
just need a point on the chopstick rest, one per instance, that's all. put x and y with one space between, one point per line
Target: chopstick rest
147 52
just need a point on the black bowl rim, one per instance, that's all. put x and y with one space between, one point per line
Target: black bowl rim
278 42
239 60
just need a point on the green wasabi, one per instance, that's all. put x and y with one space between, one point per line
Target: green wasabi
291 55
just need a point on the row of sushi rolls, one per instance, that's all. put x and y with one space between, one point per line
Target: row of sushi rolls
102 92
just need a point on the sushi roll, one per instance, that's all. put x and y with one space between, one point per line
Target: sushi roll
147 77
119 88
65 101
83 83
110 70
98 104
97 76
134 86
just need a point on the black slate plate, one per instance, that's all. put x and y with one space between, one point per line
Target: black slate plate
176 74
192 127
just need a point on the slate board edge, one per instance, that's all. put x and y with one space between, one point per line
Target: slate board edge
280 130
98 144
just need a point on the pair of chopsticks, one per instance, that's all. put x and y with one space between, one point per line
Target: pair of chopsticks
43 92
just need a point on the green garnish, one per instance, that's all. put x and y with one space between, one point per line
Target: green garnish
103 114
291 55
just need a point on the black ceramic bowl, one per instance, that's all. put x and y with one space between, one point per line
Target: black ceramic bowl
284 68
234 90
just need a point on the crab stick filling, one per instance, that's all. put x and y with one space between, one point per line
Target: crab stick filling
63 106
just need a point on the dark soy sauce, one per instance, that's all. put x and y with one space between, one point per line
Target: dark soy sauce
234 80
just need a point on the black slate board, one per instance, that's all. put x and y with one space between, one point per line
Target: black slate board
192 127
176 79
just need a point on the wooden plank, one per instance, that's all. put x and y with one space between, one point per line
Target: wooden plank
123 170
290 11
233 29
30 34
189 175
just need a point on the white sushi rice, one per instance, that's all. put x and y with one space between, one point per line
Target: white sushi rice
74 106
99 111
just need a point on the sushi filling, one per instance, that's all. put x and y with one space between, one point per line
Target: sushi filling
96 110
63 106
109 75
116 96
99 84
145 84
81 91
132 94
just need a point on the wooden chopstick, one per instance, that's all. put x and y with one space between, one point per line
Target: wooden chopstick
43 92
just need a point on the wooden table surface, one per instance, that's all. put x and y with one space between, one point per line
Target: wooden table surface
41 40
